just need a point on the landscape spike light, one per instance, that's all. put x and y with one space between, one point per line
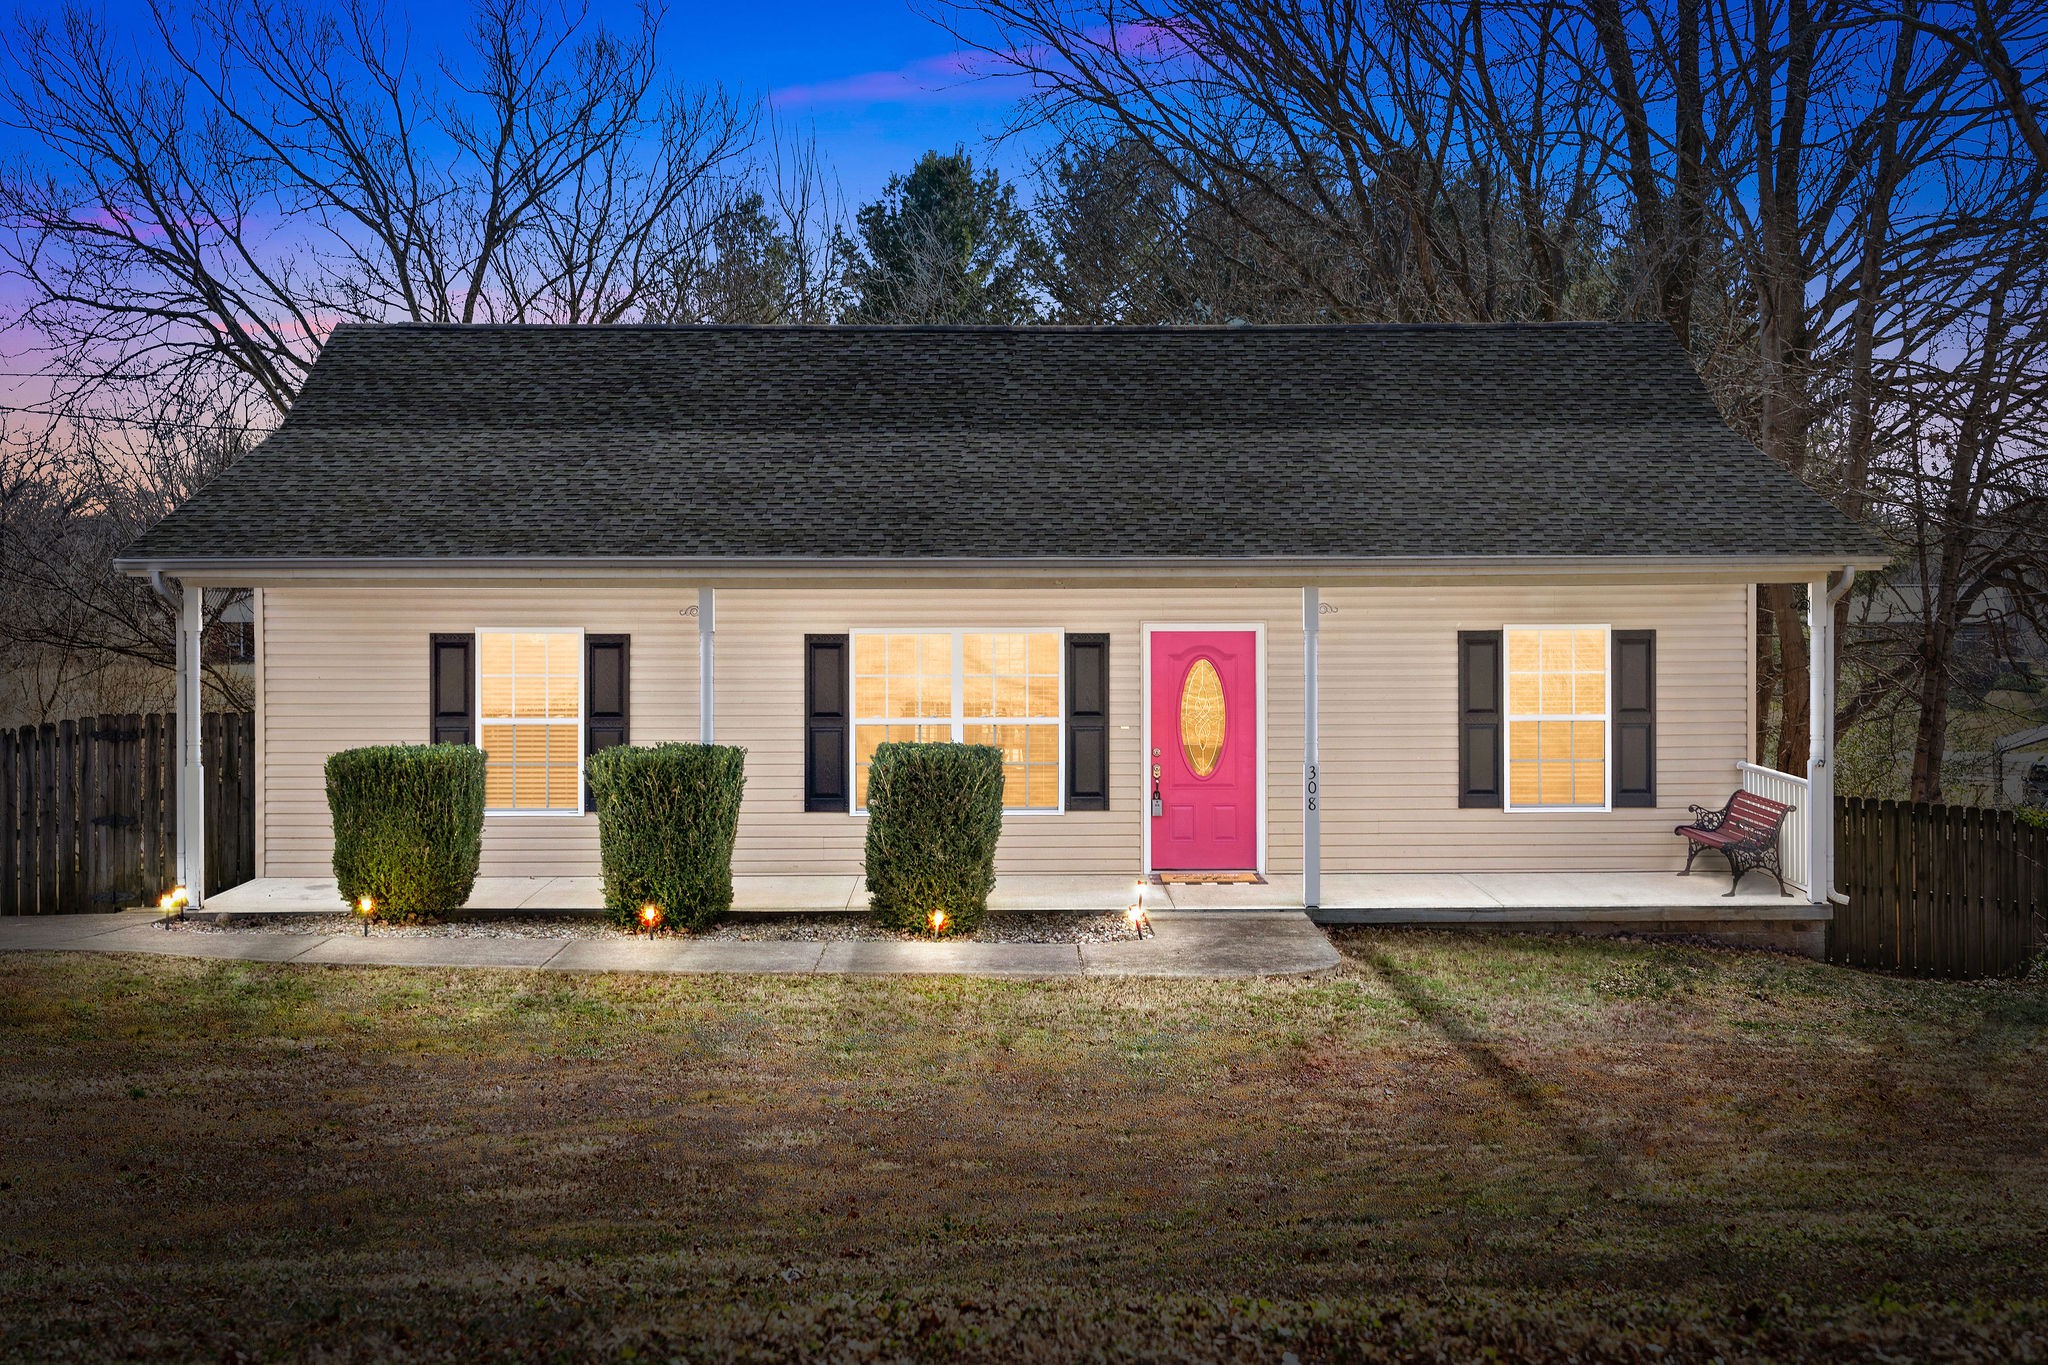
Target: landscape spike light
650 917
173 903
366 907
938 921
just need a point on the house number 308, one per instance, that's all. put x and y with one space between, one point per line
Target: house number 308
1314 787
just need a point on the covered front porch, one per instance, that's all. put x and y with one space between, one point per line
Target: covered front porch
1358 707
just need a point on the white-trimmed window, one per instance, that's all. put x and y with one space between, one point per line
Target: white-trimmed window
530 719
967 687
1557 725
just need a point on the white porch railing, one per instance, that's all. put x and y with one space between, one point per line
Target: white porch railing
1773 785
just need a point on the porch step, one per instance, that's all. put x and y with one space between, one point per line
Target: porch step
1792 911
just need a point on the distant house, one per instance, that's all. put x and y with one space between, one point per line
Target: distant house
1301 602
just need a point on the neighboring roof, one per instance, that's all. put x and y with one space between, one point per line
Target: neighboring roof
909 443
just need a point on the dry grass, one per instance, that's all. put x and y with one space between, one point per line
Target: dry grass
1542 1148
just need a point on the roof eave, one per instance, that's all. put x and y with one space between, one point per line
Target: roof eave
1310 569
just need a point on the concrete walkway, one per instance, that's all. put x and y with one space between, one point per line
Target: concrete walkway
1214 944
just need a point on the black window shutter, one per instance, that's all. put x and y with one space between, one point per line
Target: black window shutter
1635 717
1087 722
606 697
452 708
825 721
1479 718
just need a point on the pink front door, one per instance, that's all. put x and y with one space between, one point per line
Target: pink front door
1204 764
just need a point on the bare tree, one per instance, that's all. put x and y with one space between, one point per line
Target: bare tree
1829 201
199 202
202 204
1392 162
776 253
72 496
1970 502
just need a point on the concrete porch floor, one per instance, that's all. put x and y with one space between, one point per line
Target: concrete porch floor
1348 898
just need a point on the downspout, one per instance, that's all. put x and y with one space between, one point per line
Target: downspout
1841 589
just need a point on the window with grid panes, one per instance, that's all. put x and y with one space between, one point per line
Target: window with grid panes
530 719
971 687
1556 717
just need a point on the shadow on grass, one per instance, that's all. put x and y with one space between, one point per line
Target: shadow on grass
1609 1168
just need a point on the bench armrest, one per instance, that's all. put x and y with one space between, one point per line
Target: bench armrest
1707 819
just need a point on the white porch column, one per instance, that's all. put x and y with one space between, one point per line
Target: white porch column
191 696
1820 728
707 608
1311 776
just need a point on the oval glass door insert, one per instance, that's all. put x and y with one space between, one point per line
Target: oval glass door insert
1201 718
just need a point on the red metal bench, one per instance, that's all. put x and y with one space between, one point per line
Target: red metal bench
1745 831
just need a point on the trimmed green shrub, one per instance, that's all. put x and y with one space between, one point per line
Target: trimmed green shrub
935 812
408 826
666 817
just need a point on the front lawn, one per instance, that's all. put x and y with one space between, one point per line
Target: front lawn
1553 1147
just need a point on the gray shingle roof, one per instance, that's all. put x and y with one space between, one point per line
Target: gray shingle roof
1353 442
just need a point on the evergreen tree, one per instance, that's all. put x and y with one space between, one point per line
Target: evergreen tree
942 244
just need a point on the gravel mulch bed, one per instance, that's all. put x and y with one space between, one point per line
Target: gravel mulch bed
1053 927
997 928
467 926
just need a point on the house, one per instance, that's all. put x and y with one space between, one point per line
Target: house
1333 607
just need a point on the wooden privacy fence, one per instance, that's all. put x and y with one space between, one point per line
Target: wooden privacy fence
88 814
1937 890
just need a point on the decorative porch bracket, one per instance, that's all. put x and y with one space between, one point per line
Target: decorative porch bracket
1311 776
191 697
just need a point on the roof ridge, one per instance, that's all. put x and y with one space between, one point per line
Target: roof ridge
1020 329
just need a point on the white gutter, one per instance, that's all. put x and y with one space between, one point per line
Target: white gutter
1757 569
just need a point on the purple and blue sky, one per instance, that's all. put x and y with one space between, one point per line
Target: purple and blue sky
876 82
880 82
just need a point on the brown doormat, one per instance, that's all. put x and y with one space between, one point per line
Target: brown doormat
1211 879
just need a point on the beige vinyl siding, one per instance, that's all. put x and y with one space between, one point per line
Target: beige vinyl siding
1389 672
348 665
760 705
